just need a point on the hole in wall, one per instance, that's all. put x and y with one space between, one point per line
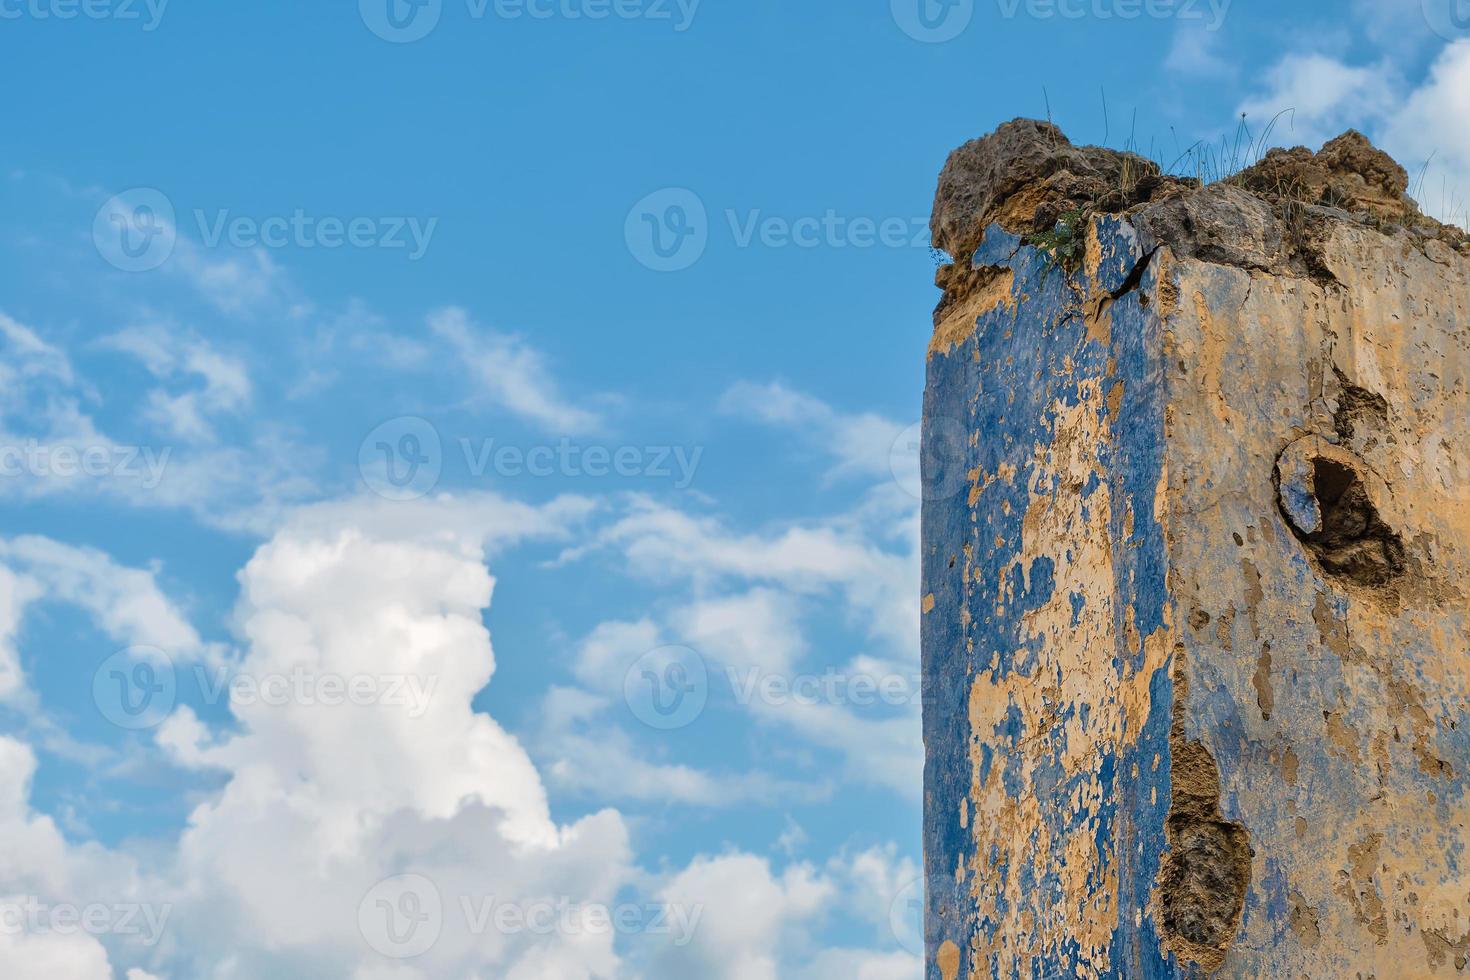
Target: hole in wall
1330 509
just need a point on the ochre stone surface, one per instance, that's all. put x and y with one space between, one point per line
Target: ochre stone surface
1196 575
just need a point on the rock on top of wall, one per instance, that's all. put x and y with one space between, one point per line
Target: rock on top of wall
1026 176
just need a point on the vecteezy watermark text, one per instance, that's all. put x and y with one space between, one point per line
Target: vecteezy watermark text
566 458
858 689
1211 12
143 465
303 230
403 459
30 916
309 688
403 917
669 230
148 12
938 21
138 230
668 688
137 688
406 21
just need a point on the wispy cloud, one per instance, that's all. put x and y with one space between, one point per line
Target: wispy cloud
511 373
859 444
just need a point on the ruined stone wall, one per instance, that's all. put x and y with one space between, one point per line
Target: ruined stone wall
1196 570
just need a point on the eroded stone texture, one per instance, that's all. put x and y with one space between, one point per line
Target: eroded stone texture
1197 628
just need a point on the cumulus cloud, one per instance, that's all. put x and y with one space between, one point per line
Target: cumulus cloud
47 879
1420 124
1322 95
1430 124
751 916
325 801
307 819
52 955
330 818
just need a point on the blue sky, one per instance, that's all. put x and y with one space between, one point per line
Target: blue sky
314 332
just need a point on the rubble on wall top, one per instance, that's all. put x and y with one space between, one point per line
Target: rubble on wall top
1027 175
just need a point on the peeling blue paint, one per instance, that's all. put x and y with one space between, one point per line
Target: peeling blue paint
1007 383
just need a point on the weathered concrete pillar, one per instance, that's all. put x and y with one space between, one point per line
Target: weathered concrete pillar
1196 589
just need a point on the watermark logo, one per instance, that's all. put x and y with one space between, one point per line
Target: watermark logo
148 12
405 916
668 688
933 21
135 230
401 917
668 230
401 21
139 687
906 917
931 468
401 459
136 688
1450 19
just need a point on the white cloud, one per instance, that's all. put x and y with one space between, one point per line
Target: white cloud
612 647
30 356
1431 123
1397 24
750 917
754 630
50 445
756 923
861 964
224 386
750 596
41 873
16 592
125 602
604 763
50 955
511 374
859 445
844 554
1325 96
334 799
1414 124
1197 51
240 282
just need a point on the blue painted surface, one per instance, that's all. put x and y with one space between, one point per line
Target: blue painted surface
1007 383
